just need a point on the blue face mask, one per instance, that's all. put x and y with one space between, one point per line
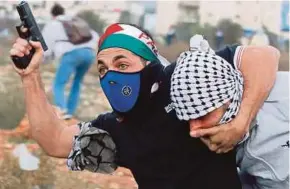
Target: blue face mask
121 89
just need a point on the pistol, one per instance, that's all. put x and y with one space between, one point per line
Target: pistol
33 33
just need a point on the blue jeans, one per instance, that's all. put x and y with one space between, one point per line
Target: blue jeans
77 61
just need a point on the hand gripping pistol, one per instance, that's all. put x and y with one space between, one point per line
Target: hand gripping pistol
33 33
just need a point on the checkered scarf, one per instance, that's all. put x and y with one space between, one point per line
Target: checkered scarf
203 82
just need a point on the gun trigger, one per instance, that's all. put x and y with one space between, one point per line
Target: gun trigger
23 35
18 28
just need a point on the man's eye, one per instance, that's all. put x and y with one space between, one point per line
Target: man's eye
123 66
102 71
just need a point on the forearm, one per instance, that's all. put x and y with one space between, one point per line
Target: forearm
259 67
46 127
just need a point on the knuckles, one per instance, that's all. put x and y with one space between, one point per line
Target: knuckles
21 41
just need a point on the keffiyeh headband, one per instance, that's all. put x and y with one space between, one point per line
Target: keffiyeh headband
203 82
132 39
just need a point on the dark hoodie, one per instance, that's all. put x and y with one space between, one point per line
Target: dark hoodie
158 149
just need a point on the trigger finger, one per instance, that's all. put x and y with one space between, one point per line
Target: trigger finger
23 49
21 41
19 47
23 29
15 52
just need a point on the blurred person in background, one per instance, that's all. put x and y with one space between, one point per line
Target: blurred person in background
74 43
207 91
171 35
219 38
142 132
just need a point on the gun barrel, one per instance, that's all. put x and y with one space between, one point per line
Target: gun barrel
27 18
23 9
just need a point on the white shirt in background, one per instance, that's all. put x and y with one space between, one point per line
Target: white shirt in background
54 31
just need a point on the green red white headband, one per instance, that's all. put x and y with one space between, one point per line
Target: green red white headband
130 38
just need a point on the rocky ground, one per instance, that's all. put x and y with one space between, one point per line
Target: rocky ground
53 173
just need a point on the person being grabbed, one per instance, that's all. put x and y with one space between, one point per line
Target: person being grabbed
207 91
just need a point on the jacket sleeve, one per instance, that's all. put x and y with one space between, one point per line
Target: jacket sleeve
93 148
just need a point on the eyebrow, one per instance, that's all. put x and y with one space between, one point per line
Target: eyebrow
100 62
118 57
114 59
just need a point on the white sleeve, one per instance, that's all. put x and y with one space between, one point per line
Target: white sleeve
238 56
95 40
52 32
95 34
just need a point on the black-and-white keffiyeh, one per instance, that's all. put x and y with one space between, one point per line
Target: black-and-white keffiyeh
93 150
203 82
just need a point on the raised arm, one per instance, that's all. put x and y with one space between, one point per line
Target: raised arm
49 131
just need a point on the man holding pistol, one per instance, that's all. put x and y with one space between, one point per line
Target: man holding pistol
142 133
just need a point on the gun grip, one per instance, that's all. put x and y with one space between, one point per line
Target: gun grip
23 62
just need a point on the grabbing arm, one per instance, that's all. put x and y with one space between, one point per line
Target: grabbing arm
258 65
